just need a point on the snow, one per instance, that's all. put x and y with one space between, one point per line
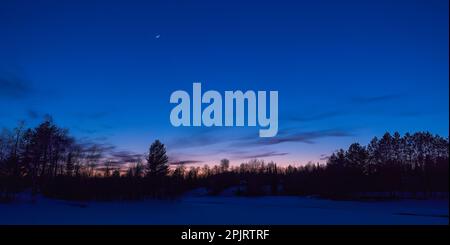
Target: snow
198 208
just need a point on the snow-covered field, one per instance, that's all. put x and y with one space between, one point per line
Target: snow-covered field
201 209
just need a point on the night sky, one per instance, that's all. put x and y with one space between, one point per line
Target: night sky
345 71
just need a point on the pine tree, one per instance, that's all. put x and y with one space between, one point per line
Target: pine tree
157 161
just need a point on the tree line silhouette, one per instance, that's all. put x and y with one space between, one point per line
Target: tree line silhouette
47 160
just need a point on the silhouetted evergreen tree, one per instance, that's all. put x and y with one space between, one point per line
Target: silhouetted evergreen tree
157 160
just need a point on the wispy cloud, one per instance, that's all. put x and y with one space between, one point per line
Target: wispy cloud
126 156
249 155
303 137
249 145
14 88
185 162
95 147
107 153
199 139
32 114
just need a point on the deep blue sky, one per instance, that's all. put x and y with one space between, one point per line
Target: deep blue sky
345 70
